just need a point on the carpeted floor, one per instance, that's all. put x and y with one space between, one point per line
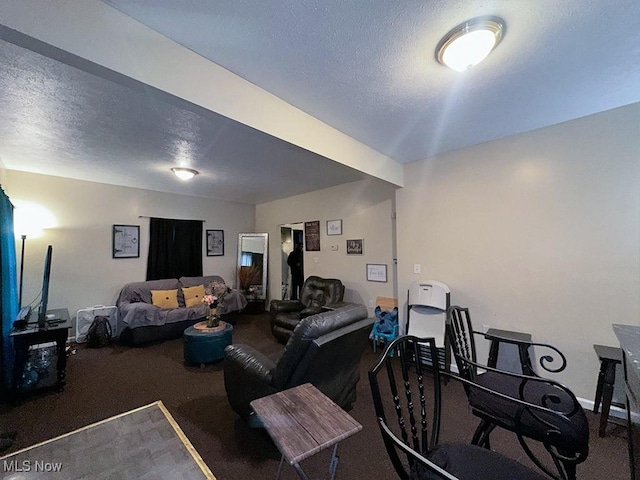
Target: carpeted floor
105 382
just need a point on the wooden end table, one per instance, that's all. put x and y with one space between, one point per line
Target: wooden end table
302 421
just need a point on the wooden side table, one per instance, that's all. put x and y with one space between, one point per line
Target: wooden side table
302 421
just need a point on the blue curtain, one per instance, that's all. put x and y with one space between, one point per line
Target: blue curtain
8 285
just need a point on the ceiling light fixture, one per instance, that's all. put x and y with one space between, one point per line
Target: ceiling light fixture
470 42
184 173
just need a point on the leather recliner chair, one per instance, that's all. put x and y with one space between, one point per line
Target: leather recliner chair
317 294
325 350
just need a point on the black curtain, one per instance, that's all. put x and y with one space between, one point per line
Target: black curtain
175 248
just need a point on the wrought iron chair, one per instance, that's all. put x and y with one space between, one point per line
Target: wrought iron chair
563 429
408 408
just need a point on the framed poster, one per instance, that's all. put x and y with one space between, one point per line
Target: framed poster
354 247
376 272
126 241
215 243
334 227
312 236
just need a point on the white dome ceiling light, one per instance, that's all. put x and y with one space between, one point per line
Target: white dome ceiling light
470 42
184 173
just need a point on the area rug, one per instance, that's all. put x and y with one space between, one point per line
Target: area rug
145 443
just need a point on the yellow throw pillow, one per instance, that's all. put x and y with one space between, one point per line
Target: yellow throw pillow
165 298
193 295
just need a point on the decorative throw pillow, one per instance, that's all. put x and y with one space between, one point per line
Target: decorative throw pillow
193 295
165 298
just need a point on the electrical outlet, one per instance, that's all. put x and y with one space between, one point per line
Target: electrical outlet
316 259
417 268
334 248
370 303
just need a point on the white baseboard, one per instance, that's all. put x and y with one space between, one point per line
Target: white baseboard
613 412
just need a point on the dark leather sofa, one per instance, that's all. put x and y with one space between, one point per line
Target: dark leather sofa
317 294
325 350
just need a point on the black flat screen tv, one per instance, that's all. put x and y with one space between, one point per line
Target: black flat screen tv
44 299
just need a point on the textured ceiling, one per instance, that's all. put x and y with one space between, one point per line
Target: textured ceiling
366 69
62 121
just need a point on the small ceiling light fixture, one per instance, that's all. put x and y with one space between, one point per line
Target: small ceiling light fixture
184 173
470 42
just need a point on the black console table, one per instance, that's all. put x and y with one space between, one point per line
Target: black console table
55 330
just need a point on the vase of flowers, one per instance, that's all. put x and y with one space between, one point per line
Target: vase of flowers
212 319
214 295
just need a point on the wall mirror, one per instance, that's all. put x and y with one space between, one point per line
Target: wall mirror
252 264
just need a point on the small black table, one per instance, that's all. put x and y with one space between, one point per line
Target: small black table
255 306
609 357
55 330
521 340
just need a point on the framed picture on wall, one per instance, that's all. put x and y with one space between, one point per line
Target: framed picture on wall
376 272
215 243
354 247
312 236
334 227
125 241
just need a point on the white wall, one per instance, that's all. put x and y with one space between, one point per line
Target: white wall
365 208
538 232
83 270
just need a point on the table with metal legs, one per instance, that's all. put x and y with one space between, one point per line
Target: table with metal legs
302 421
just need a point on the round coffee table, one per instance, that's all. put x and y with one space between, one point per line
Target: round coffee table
206 345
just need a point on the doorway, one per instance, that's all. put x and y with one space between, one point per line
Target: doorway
290 235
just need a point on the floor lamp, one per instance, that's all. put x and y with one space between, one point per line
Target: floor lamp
24 237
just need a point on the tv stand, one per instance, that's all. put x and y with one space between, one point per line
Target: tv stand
55 330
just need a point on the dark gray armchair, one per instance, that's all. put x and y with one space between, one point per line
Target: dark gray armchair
317 294
325 350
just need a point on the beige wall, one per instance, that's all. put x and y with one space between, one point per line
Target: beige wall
365 208
539 232
83 270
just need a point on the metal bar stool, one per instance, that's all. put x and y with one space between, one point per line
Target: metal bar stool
609 358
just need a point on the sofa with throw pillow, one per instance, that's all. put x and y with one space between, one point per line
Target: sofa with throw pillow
161 309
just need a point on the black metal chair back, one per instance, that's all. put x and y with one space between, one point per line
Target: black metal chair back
408 407
462 341
409 416
563 429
